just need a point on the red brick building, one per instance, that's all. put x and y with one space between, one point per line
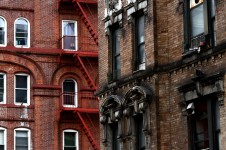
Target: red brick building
162 76
48 75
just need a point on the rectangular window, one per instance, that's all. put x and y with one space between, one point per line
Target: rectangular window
2 139
22 140
116 68
22 33
22 87
140 137
140 43
70 140
205 125
115 141
2 32
199 26
69 35
2 88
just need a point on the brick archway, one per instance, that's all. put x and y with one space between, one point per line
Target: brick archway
27 63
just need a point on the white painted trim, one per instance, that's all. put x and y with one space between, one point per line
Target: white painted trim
5 137
28 89
76 93
5 29
28 36
29 136
76 33
76 138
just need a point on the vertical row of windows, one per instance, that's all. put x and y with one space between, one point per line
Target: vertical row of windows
139 48
21 32
22 89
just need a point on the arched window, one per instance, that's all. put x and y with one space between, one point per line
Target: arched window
70 93
3 139
22 33
3 30
22 139
70 140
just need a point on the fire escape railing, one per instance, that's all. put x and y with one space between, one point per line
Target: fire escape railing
79 99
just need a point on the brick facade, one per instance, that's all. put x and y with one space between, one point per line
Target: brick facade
48 65
171 76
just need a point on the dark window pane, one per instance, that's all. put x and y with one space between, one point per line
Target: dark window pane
1 83
69 86
1 97
70 148
140 29
2 147
21 41
69 138
21 141
21 147
197 21
21 81
21 35
2 37
21 96
141 54
115 141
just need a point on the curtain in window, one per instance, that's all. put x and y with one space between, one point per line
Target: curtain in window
2 31
69 28
21 140
197 21
140 37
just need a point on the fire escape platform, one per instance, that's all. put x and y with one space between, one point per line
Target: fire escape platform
81 110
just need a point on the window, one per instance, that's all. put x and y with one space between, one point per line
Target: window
22 139
22 89
115 141
140 137
139 43
115 54
22 33
205 125
199 23
2 88
69 93
69 35
3 139
3 33
70 140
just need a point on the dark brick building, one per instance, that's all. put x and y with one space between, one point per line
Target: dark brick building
48 75
162 74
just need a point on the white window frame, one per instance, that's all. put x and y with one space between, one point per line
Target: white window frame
76 34
5 137
76 93
28 36
5 29
28 89
4 95
76 138
29 136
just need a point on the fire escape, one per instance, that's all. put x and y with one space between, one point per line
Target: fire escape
81 49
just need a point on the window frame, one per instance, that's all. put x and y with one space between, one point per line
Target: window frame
76 140
5 137
28 89
4 90
5 30
137 58
28 32
114 55
75 34
75 96
28 136
209 30
212 106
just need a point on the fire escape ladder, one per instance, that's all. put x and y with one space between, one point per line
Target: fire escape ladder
86 74
86 21
88 133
